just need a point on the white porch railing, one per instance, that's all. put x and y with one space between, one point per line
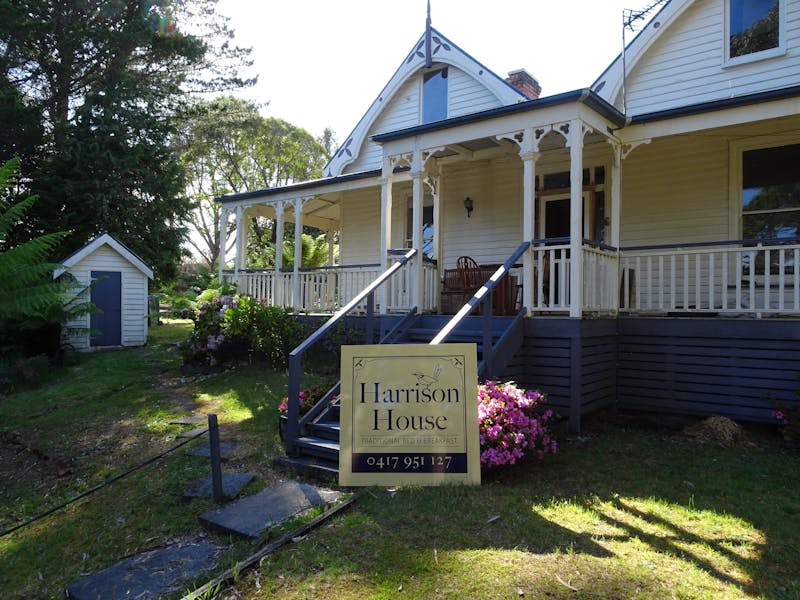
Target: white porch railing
551 278
322 289
600 276
552 267
327 289
725 277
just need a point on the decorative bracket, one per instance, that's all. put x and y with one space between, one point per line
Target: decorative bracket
432 181
564 129
427 154
629 147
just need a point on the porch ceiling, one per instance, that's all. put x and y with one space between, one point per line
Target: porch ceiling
318 211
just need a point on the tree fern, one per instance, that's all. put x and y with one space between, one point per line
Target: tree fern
26 276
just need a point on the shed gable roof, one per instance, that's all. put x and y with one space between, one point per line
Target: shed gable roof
444 52
105 239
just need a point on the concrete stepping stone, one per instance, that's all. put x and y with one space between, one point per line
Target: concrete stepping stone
204 450
192 432
151 574
251 515
189 420
182 400
232 484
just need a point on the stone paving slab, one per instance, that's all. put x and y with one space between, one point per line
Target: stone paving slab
251 515
184 401
189 420
232 484
151 574
225 450
192 432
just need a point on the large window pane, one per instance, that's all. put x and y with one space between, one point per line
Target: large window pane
754 26
434 96
771 193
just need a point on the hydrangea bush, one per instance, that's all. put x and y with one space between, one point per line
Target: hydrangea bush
511 424
229 326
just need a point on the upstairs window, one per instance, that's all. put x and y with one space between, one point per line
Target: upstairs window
753 26
434 96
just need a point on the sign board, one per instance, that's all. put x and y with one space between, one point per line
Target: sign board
409 415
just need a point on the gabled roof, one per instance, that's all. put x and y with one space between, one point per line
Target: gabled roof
609 84
96 243
443 52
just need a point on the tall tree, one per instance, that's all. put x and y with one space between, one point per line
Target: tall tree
107 78
230 148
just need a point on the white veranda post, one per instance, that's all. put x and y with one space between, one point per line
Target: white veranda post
278 253
223 240
575 142
298 251
417 274
386 228
529 157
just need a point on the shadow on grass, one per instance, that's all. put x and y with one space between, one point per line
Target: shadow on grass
626 514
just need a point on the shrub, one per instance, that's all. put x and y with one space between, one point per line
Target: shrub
230 326
510 424
308 398
207 338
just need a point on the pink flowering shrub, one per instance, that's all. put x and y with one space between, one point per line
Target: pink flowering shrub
229 327
510 424
789 420
308 398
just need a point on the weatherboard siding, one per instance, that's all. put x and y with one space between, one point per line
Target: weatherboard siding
676 192
359 241
468 95
465 95
401 111
685 66
494 230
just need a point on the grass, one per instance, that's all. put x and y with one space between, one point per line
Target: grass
621 512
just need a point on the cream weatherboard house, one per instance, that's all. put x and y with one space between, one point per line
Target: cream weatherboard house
647 224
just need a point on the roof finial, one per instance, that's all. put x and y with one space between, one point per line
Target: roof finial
428 57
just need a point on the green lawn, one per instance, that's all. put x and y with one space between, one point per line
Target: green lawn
620 513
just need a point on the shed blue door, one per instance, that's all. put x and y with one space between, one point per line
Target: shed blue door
107 297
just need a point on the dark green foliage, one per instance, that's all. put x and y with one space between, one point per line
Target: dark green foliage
230 327
92 88
26 279
229 148
33 306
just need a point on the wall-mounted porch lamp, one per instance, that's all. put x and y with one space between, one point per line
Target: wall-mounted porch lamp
468 204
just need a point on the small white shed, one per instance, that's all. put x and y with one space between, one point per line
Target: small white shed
119 292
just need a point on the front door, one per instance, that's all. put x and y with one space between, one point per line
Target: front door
106 295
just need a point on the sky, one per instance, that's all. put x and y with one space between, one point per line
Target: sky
322 63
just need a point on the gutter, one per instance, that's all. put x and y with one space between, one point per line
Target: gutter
584 96
715 105
314 183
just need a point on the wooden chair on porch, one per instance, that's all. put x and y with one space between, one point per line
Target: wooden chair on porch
469 272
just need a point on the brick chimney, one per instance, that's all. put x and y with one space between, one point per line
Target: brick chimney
525 83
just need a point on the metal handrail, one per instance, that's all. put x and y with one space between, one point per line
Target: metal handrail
323 402
295 356
485 291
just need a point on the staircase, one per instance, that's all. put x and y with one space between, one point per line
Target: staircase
317 448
